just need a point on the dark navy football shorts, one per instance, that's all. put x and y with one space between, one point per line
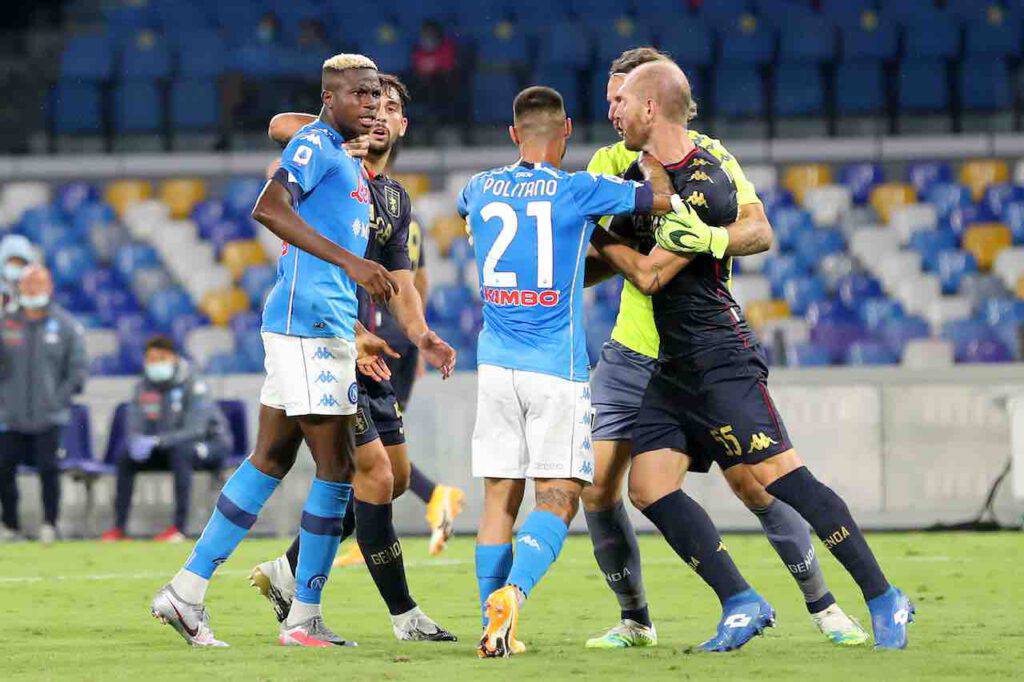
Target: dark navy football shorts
403 373
715 409
378 414
617 388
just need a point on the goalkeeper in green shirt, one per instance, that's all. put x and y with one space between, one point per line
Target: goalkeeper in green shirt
618 385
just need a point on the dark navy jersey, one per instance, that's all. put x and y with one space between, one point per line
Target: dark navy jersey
695 311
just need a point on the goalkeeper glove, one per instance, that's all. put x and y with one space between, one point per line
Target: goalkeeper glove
683 231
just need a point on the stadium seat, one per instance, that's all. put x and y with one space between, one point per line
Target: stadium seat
875 313
947 309
781 268
994 35
808 355
205 342
77 107
798 90
912 218
985 84
195 105
870 353
834 267
502 45
808 38
87 57
234 412
181 195
240 254
800 292
932 35
984 350
889 195
1009 266
800 178
922 86
759 312
820 243
930 243
927 354
856 288
738 91
257 280
790 224
138 107
861 88
923 174
387 45
998 198
978 174
985 241
621 33
491 94
69 262
121 194
747 288
416 184
147 281
689 40
167 305
899 331
869 39
132 256
220 306
860 178
566 82
747 42
145 56
565 44
201 53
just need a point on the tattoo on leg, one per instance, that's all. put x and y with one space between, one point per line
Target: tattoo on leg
557 498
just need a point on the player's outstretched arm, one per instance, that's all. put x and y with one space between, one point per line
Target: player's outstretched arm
371 350
274 211
647 273
751 233
596 268
654 173
407 308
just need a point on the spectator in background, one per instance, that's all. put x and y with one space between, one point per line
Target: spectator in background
434 62
16 253
313 37
268 29
42 366
172 424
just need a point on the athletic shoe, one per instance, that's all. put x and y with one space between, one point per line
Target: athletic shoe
113 535
445 504
416 626
9 534
275 581
352 557
47 534
891 612
626 633
191 621
744 615
502 612
311 633
838 627
171 535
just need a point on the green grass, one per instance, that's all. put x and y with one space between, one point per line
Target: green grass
79 610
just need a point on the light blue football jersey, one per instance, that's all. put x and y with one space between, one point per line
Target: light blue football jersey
531 224
312 297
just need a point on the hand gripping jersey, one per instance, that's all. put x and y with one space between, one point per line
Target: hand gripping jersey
634 326
531 224
314 298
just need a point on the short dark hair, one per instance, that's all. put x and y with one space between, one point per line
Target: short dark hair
537 99
638 56
161 342
389 81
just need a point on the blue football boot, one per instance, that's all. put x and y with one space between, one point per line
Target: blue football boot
744 615
891 612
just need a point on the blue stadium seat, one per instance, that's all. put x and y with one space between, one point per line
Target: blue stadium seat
194 104
208 213
952 266
77 108
201 54
388 46
738 92
985 84
167 305
98 279
1013 218
185 323
226 362
125 18
923 174
875 313
69 262
74 300
473 14
76 438
89 215
847 12
228 231
492 97
71 197
801 291
111 304
860 88
145 56
875 42
790 224
837 336
962 332
87 57
257 281
807 39
502 45
471 321
923 86
860 179
1000 310
174 16
808 355
931 35
234 412
994 39
138 107
997 11
747 45
774 196
820 243
947 196
798 90
984 350
250 350
959 219
460 252
856 288
998 197
1008 332
446 302
723 14
107 365
566 81
831 310
780 268
870 353
599 324
240 196
245 323
622 34
665 13
132 256
896 332
688 41
930 243
565 44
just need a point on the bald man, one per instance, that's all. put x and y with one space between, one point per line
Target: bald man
707 400
42 366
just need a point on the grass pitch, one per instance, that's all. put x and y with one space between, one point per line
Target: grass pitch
79 610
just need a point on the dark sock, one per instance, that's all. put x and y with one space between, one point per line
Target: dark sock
690 532
383 553
348 525
641 616
789 535
618 557
421 486
831 520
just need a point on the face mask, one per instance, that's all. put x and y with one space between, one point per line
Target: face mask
12 272
35 302
159 372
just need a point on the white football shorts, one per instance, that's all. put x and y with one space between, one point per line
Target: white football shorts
307 375
531 425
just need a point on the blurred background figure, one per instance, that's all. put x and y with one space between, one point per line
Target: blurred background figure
42 367
173 424
16 253
434 67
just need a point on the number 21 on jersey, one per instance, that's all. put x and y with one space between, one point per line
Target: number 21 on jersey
541 212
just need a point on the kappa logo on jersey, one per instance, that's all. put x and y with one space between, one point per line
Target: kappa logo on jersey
361 193
323 353
700 162
697 199
392 200
759 441
313 139
587 467
530 541
520 297
326 377
327 400
700 175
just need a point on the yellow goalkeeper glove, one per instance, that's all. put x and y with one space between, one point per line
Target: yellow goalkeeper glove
683 231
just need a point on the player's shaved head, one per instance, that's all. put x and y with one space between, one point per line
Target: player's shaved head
664 83
538 111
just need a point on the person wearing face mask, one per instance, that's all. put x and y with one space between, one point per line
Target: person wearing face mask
173 423
16 253
42 367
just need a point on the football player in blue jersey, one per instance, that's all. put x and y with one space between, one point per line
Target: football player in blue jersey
318 203
531 223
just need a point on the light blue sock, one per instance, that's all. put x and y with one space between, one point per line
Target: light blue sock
240 502
319 537
538 544
493 563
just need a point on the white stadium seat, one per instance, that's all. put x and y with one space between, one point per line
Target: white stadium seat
793 330
762 177
927 354
1009 266
100 342
906 220
755 262
917 293
828 204
17 197
145 219
203 342
834 267
868 242
893 266
948 308
746 288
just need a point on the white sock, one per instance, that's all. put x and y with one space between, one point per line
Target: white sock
301 612
189 586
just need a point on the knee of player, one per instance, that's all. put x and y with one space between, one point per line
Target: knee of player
400 483
640 497
751 493
599 497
